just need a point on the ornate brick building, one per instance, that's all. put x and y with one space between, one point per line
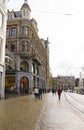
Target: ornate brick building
27 56
3 18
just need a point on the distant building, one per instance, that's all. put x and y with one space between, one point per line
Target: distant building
81 80
27 56
3 21
68 82
77 82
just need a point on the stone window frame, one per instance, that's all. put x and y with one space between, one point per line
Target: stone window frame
13 31
25 30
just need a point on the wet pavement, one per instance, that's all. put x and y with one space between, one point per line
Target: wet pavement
56 116
28 113
20 112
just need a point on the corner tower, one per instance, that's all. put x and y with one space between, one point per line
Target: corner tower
25 10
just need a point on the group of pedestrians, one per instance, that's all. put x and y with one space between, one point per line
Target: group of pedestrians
38 92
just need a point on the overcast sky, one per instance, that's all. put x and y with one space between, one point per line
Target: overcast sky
62 21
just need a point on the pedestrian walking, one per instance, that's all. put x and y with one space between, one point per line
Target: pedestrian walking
59 91
36 92
53 91
40 93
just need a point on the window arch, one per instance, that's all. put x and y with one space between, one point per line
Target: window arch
24 66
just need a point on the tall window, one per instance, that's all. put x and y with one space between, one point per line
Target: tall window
26 45
25 30
7 32
13 46
0 20
33 68
24 12
23 46
9 17
13 31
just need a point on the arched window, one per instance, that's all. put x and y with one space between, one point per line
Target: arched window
25 30
24 66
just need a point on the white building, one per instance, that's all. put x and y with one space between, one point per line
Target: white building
3 19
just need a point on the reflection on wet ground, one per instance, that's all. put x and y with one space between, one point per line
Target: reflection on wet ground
20 113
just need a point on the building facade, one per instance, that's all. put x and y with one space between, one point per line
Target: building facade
67 82
27 56
3 21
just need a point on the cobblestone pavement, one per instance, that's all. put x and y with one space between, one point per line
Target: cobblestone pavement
20 113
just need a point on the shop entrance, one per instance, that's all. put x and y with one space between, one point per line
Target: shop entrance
24 85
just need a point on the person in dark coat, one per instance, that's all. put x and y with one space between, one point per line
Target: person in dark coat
59 91
40 93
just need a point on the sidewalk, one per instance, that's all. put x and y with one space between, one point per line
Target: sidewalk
20 112
56 116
